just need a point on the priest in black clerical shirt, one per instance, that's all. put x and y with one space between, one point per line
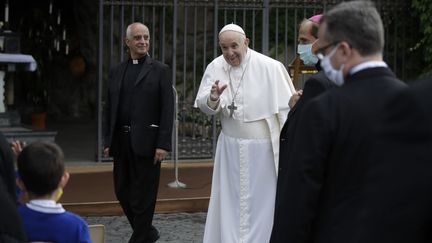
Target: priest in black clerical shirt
138 125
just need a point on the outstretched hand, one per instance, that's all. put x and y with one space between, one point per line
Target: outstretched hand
17 147
216 90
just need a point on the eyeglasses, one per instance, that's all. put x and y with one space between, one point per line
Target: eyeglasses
321 51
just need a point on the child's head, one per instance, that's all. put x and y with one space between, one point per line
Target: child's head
41 168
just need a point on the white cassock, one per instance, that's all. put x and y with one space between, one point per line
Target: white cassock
245 168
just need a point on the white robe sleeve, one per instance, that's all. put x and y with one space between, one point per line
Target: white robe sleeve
203 94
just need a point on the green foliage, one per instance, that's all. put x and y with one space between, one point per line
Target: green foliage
424 10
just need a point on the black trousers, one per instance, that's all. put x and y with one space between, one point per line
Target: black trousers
136 182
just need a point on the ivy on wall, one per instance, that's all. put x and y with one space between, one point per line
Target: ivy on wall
424 11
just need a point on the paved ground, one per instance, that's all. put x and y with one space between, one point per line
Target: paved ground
174 228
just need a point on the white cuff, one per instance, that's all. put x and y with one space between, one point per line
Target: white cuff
213 104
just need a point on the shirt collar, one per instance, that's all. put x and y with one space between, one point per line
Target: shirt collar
45 206
366 65
139 60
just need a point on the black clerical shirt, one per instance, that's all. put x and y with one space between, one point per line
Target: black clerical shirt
127 87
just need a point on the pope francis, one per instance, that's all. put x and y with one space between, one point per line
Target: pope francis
250 92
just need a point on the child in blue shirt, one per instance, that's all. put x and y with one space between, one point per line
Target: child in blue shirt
42 177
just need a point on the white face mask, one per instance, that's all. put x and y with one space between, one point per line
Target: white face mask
305 52
336 76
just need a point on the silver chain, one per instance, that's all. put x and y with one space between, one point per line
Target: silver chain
241 79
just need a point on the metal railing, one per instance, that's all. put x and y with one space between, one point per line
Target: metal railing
184 36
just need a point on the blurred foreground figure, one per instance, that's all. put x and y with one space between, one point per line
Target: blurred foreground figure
355 174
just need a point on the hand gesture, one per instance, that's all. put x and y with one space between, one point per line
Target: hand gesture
216 90
17 147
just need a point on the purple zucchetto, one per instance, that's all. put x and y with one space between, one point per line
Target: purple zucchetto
315 18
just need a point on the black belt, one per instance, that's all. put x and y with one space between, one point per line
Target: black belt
125 129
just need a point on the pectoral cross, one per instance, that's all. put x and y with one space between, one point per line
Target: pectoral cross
232 107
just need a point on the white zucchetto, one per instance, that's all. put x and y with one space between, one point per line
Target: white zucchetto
232 27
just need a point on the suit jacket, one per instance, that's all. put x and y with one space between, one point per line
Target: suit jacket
405 141
346 181
422 91
152 110
314 86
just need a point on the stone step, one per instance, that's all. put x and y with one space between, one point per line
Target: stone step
27 134
90 189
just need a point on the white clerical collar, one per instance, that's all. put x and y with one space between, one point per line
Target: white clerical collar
366 65
45 206
227 66
139 60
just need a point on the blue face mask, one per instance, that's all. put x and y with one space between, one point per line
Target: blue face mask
305 52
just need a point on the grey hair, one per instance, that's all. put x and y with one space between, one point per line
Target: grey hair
358 23
129 30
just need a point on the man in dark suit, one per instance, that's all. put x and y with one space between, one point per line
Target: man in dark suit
345 180
138 125
314 86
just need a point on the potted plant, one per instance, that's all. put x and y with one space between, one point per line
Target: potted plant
38 116
38 98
